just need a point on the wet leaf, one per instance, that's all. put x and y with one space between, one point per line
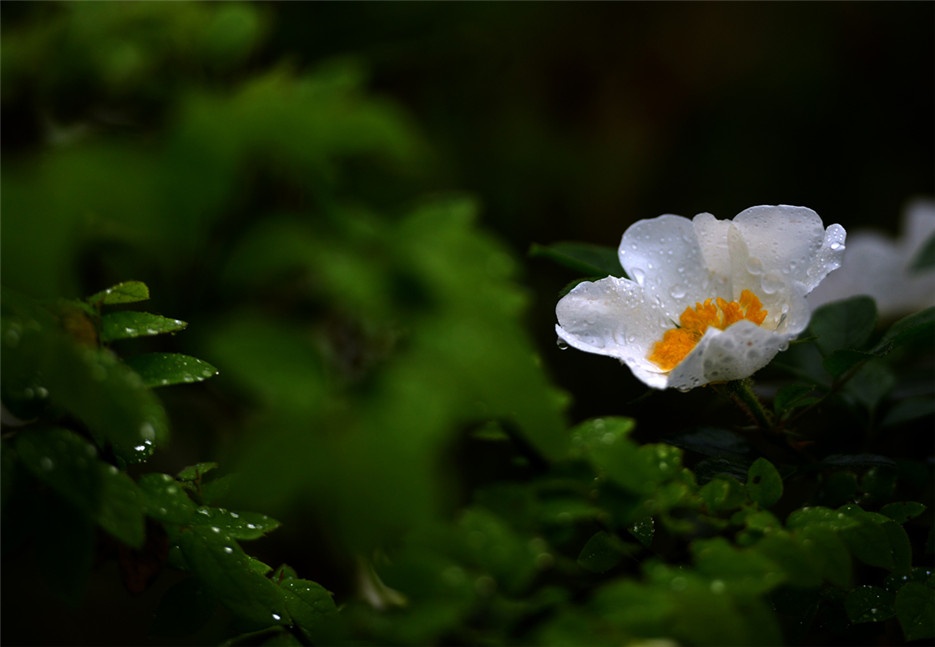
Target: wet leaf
310 605
128 324
225 571
644 530
869 604
239 525
94 386
915 608
126 292
601 553
165 500
163 369
902 511
764 483
69 465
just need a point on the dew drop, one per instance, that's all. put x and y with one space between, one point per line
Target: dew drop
561 343
251 526
215 529
152 331
235 515
277 617
140 448
836 245
638 275
229 550
677 292
130 331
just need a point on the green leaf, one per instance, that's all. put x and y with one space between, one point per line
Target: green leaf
925 257
163 369
869 604
828 554
876 540
722 494
601 553
915 609
643 530
310 605
196 472
589 259
920 325
126 292
69 465
841 361
91 384
744 571
870 384
227 573
184 609
764 483
128 324
794 396
793 555
908 410
845 324
165 500
711 441
902 511
239 525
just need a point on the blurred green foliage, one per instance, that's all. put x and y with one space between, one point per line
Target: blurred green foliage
378 391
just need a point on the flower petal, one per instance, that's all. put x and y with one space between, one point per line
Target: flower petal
731 354
664 257
614 317
792 240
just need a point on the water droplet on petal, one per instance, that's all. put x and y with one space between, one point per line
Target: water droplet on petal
561 343
677 292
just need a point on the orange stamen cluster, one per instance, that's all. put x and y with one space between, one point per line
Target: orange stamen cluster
677 343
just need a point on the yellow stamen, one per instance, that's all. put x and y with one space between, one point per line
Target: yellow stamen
677 343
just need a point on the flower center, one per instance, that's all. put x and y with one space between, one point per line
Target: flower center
678 342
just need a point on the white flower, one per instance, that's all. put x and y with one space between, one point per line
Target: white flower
707 300
878 266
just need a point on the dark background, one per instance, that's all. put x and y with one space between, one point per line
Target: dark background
569 121
572 120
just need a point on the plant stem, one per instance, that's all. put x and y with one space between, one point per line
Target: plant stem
741 392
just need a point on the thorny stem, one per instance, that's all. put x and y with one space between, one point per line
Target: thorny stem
741 392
